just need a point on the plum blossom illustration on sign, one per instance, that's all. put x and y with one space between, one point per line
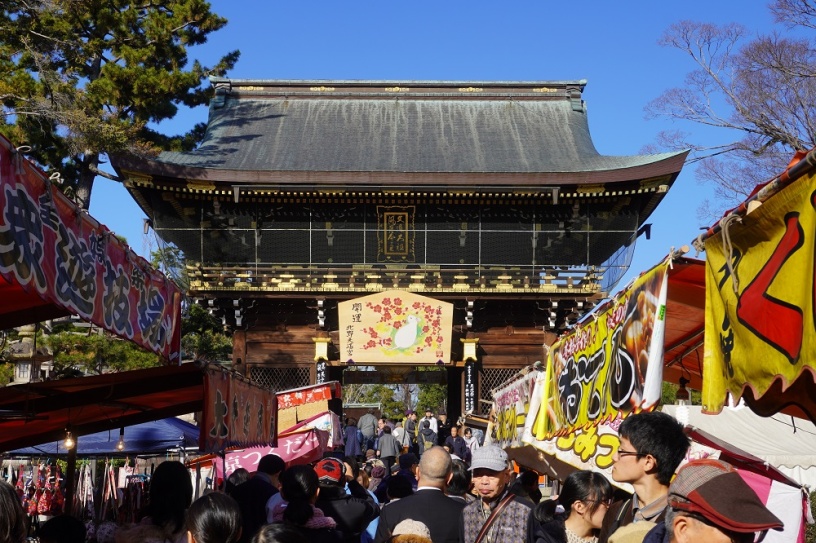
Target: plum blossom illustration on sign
404 328
396 326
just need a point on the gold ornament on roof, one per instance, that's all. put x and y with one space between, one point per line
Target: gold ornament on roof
321 89
470 89
545 89
397 89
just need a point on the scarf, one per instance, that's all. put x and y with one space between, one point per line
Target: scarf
318 520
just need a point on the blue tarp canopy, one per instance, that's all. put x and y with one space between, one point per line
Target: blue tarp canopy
149 437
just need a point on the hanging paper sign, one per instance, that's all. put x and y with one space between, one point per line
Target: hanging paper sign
306 395
760 324
236 413
609 364
510 406
470 387
49 247
395 326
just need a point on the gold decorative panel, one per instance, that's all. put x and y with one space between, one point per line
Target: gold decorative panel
396 233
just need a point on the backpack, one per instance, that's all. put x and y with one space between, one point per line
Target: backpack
426 444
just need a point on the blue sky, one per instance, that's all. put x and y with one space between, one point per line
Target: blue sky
611 44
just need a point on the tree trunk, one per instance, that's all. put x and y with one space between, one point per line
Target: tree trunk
86 180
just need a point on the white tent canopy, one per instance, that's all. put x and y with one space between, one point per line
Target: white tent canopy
787 444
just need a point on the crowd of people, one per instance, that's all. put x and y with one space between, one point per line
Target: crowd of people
442 496
386 438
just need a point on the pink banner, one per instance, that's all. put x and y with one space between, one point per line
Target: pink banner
298 448
50 247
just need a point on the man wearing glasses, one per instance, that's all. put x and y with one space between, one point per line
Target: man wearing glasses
710 502
652 445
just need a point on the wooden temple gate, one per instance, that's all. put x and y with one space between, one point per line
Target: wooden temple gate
489 196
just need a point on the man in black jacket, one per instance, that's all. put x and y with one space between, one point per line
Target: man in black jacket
351 514
428 504
253 495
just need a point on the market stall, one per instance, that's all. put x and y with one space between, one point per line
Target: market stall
153 437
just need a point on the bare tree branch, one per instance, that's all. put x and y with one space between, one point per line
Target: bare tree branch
759 92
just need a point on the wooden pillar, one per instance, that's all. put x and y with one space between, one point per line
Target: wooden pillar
70 477
239 351
454 393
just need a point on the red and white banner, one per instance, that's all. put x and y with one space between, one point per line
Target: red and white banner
51 248
309 394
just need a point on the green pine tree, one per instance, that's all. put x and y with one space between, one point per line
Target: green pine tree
82 79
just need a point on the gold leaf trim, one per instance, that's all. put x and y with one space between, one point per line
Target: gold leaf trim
204 186
249 88
590 189
545 89
134 178
321 89
397 89
470 89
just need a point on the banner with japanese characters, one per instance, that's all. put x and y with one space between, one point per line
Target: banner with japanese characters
511 405
236 412
591 447
612 363
761 297
50 247
395 326
302 447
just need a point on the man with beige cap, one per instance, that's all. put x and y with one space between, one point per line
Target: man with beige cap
497 516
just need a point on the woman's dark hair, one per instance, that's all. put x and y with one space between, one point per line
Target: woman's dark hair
13 519
355 466
386 429
580 486
460 482
237 477
62 529
171 492
279 533
299 486
214 518
351 422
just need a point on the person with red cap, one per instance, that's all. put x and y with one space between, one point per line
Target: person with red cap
351 514
709 501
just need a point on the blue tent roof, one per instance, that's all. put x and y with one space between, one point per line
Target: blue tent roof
149 437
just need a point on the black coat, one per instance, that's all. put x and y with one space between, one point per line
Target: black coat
549 532
351 514
252 497
438 512
321 535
